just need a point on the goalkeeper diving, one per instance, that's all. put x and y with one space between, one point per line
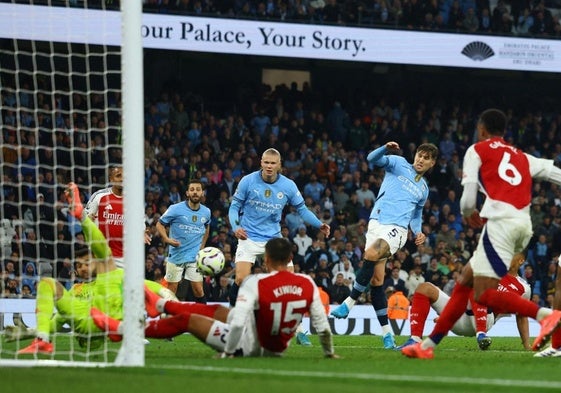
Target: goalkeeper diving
102 288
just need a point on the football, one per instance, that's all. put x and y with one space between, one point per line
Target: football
210 261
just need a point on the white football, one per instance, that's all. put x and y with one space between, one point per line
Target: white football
210 261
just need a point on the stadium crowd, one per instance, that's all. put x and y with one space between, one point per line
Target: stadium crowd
526 18
534 18
323 151
323 145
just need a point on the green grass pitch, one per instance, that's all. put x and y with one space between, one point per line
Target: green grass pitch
187 365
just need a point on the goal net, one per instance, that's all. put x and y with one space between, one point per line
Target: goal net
66 111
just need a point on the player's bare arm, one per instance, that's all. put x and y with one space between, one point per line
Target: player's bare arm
164 234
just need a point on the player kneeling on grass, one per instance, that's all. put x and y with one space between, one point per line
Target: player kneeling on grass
267 313
476 321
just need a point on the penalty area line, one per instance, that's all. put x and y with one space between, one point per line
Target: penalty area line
371 377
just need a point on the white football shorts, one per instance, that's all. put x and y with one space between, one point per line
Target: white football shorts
394 235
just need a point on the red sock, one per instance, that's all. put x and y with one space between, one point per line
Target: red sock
167 327
479 314
505 303
452 312
556 339
175 308
420 307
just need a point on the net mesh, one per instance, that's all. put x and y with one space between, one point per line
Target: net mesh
60 120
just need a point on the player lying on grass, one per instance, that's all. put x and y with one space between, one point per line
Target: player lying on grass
73 307
475 321
505 175
267 313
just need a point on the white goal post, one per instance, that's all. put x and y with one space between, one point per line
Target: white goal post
102 117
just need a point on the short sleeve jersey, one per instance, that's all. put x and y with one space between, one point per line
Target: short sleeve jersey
401 193
188 226
263 204
509 283
504 174
278 301
106 209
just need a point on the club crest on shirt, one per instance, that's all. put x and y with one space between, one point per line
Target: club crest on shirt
280 195
268 193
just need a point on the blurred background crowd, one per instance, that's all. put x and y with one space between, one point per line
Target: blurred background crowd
323 130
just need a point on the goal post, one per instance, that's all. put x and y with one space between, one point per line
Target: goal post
71 105
132 351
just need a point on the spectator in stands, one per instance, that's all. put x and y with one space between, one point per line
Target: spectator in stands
314 189
313 253
540 256
365 193
505 25
415 277
220 289
326 168
323 273
445 238
524 22
470 23
339 290
455 16
302 240
433 274
394 281
9 268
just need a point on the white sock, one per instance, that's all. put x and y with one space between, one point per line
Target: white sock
427 343
43 337
160 304
387 329
542 313
350 302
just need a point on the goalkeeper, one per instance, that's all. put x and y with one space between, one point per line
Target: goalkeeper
73 307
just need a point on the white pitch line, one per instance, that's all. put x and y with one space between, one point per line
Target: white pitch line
373 377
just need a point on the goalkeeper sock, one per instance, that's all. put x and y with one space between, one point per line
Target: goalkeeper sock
45 306
167 327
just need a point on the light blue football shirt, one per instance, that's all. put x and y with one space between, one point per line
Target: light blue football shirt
187 226
402 195
257 206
